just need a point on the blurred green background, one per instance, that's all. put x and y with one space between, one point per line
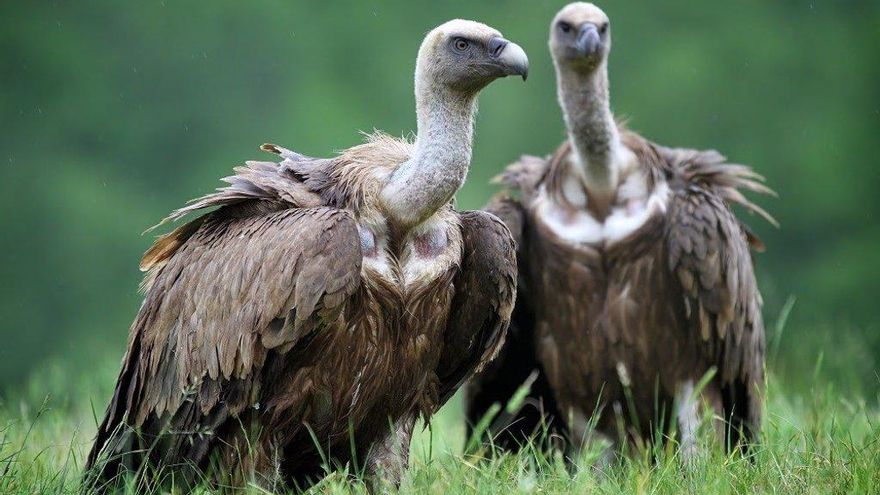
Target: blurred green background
114 113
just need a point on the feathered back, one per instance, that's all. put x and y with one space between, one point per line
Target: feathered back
349 180
267 185
297 181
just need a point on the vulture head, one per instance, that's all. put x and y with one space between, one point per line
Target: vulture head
580 36
465 56
456 60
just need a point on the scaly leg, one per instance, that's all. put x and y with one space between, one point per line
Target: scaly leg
691 408
388 458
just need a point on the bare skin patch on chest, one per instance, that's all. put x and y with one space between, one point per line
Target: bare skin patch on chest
423 253
374 249
431 243
368 243
430 249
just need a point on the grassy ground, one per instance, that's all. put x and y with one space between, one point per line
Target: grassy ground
818 442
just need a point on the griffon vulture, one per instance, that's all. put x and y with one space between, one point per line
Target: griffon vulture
635 276
325 304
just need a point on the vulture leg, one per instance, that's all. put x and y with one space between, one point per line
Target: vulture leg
692 408
256 454
388 459
586 434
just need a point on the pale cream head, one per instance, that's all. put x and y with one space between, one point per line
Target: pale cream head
456 60
466 56
580 36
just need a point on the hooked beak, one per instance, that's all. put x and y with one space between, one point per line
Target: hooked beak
510 57
588 40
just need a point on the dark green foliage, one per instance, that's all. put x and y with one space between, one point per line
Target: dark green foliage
114 113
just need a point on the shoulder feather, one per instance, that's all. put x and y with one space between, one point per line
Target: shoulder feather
728 180
524 176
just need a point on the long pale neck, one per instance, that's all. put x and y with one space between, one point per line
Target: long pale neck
439 164
591 127
445 136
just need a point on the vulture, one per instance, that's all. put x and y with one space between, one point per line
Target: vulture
637 301
322 305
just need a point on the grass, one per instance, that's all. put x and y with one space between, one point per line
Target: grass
817 442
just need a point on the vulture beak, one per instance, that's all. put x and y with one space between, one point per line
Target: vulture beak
588 40
510 57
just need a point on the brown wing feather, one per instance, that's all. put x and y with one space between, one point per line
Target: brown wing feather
510 211
267 182
483 302
257 187
516 362
728 180
235 289
709 254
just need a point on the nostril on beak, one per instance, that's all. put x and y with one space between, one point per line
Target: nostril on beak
496 46
588 40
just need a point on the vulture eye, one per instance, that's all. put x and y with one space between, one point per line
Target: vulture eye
461 44
603 28
564 27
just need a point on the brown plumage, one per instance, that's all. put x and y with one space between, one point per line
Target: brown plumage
306 308
636 279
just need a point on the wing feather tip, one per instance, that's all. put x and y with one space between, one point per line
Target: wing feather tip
271 148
